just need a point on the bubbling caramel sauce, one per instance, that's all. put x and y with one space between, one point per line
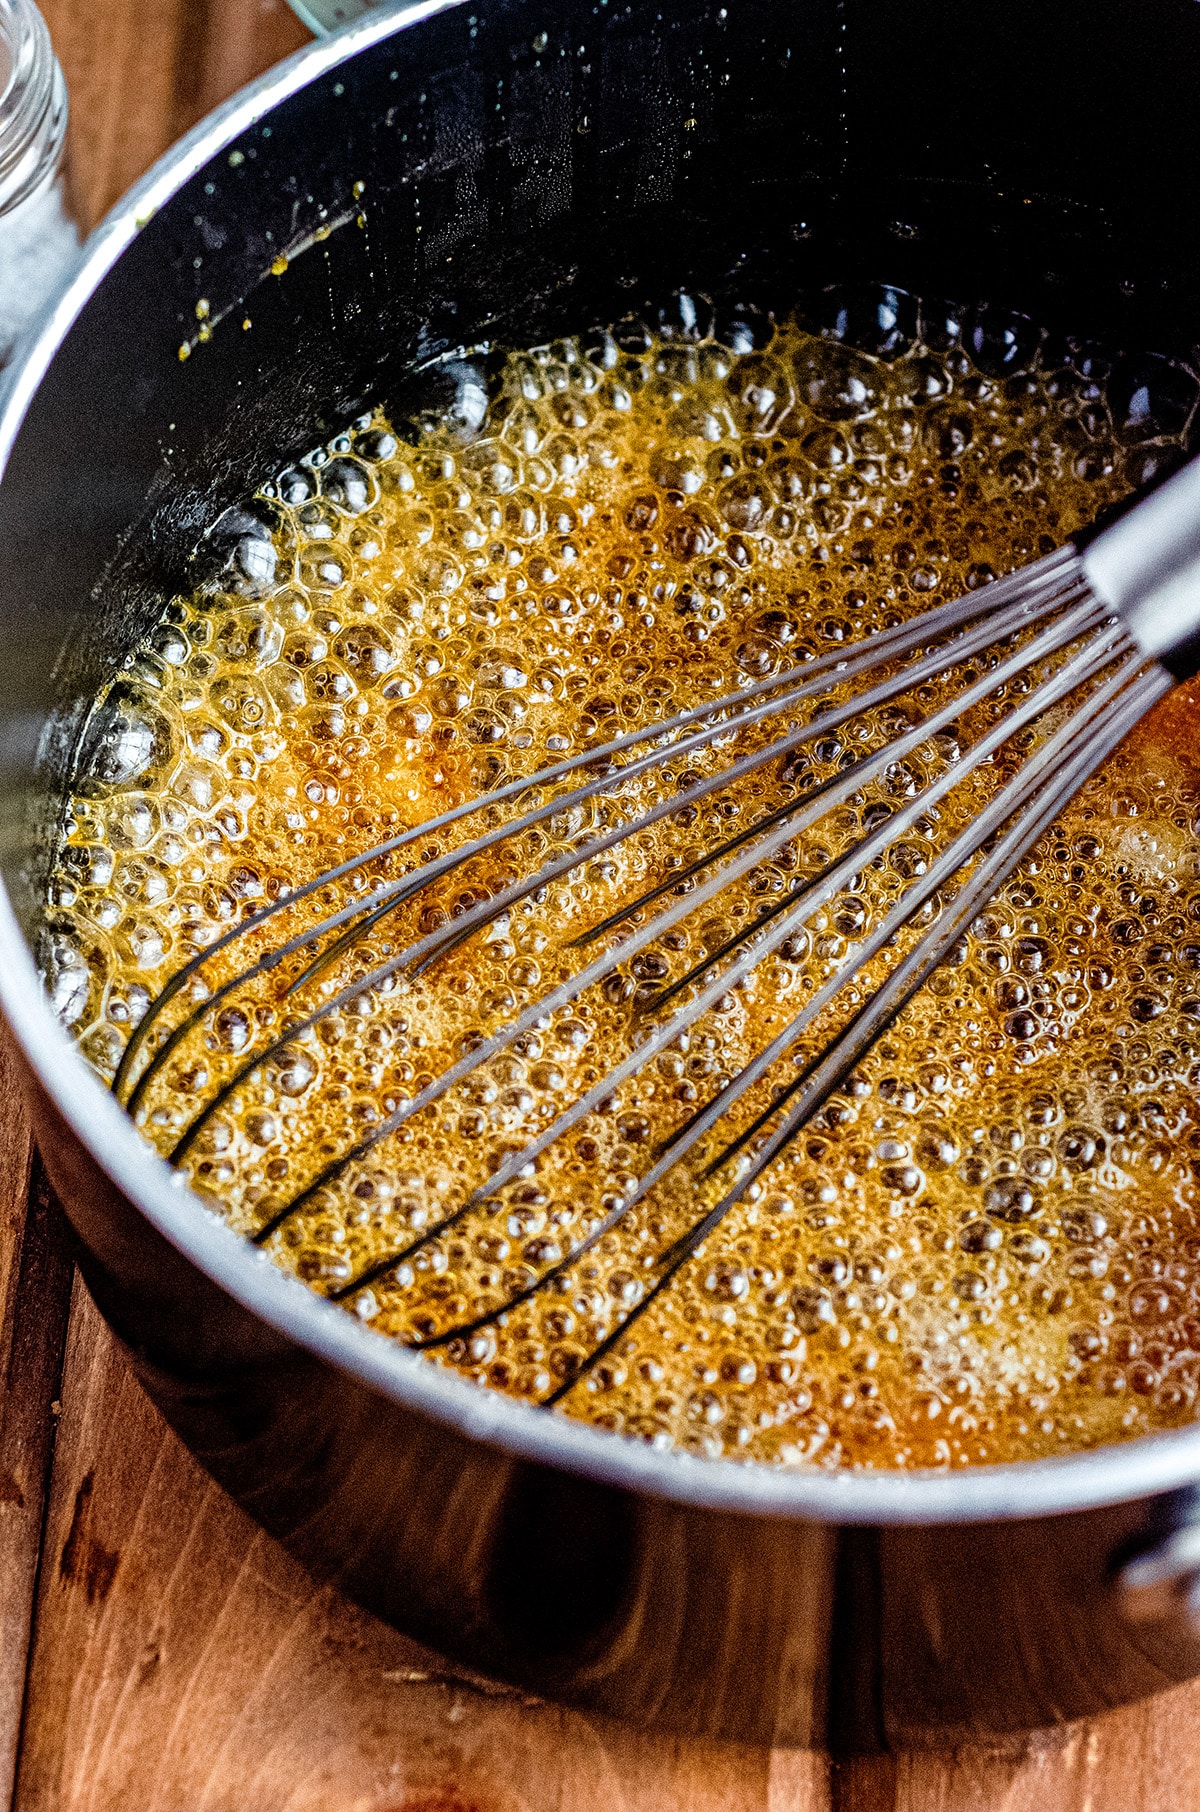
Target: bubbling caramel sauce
986 1247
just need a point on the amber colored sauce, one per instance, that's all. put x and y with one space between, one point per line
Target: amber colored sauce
987 1245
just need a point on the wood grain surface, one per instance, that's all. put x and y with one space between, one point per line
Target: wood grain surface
141 72
158 1653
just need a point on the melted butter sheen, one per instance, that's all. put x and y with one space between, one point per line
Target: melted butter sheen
987 1246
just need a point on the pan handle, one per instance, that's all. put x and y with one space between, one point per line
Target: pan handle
1159 1581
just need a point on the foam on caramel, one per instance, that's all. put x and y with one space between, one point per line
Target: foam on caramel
987 1245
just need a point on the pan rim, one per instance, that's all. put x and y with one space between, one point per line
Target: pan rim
1071 1483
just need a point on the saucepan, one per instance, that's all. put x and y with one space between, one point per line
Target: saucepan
467 171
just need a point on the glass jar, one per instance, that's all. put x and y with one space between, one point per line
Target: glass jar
38 240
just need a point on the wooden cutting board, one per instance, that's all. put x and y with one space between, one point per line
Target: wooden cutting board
157 1652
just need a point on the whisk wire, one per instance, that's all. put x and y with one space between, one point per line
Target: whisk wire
809 810
827 1074
1044 621
1009 801
696 729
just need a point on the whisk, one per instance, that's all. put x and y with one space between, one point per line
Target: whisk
1087 640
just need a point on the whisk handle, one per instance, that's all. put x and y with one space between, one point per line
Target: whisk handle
1146 566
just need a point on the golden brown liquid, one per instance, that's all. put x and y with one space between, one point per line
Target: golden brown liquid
987 1245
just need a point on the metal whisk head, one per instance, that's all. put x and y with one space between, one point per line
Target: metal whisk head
1050 669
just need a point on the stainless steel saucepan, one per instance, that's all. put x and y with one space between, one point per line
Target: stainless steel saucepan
522 169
